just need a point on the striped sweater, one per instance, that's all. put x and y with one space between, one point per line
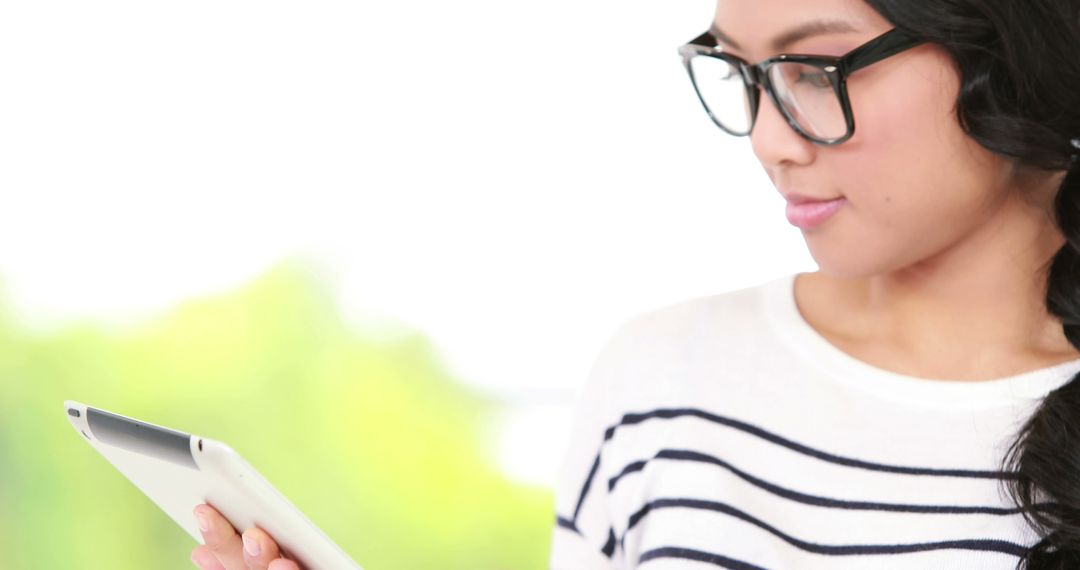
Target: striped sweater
725 432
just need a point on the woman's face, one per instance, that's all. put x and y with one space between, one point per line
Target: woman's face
915 184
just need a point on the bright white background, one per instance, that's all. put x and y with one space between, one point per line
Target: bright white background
512 178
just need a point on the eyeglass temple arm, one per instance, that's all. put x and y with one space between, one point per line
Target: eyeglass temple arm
892 42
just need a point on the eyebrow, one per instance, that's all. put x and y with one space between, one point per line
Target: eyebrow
802 31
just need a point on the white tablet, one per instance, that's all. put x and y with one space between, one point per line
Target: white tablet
178 471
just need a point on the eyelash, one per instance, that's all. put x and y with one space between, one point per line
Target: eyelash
827 83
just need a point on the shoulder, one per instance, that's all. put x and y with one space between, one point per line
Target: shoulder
676 323
675 339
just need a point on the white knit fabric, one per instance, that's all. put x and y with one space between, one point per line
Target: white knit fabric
725 432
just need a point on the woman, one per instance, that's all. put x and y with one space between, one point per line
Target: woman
863 416
913 403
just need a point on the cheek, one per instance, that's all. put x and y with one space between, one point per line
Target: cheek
915 182
909 159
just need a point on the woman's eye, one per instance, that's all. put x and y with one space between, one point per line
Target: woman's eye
819 80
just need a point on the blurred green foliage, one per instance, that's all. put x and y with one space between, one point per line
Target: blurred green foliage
370 438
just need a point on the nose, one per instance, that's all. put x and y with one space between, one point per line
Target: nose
774 141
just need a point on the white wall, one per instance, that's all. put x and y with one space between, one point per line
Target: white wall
513 178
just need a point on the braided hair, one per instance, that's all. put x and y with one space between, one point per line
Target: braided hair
1019 63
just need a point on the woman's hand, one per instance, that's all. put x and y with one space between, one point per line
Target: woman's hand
227 550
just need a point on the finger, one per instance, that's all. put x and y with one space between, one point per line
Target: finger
221 537
259 548
204 559
283 564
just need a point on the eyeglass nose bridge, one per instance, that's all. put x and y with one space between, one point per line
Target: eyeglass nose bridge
753 76
756 77
758 81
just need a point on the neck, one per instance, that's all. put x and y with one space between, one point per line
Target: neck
981 299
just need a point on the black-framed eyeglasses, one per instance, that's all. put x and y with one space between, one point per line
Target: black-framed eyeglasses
809 90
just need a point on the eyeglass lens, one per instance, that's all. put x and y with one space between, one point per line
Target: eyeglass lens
805 92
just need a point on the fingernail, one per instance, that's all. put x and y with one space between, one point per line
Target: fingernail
251 545
204 524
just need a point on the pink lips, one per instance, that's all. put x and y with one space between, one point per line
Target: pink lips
809 214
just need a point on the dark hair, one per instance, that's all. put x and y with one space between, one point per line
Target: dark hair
1019 65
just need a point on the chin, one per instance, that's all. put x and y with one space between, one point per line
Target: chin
847 262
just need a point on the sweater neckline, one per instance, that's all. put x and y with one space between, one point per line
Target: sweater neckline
843 368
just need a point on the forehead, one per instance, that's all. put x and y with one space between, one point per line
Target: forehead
768 27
